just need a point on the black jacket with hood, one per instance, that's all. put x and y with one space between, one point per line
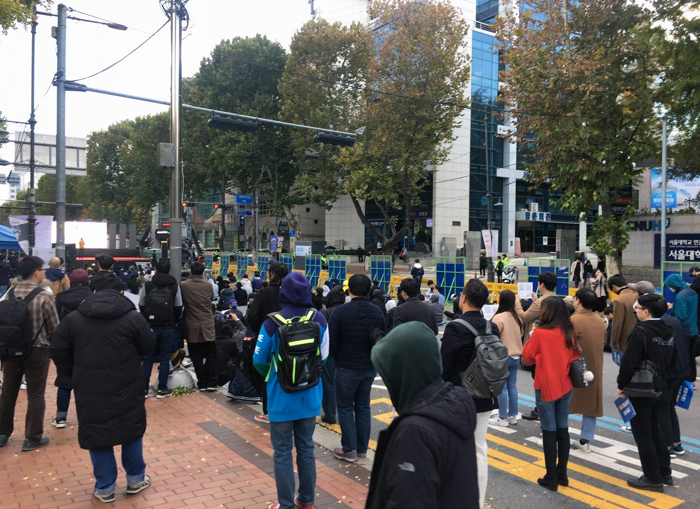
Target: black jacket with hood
69 300
100 348
266 301
650 340
164 281
334 299
427 457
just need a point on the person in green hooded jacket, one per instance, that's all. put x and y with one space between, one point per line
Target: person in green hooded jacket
427 457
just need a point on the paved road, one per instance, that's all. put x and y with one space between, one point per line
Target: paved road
598 479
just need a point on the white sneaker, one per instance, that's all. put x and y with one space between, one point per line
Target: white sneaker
513 419
581 447
23 386
626 429
497 421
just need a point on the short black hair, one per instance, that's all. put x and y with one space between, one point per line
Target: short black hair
694 269
587 298
110 282
656 304
359 285
256 274
608 310
29 265
105 261
277 271
163 266
417 260
476 293
548 279
197 268
617 280
409 286
430 282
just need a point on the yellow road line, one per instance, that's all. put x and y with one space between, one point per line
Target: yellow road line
660 500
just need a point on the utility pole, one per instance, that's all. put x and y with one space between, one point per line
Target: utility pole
31 196
489 258
663 189
61 132
257 225
175 107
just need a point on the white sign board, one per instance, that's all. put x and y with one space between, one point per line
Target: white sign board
525 290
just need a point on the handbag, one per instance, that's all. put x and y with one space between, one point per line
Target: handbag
642 383
577 370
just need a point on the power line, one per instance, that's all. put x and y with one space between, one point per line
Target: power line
125 56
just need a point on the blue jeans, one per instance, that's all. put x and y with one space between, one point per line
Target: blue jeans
3 289
328 380
508 399
553 414
62 402
352 390
104 466
588 428
300 434
162 351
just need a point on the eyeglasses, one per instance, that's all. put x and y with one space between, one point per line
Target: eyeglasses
637 308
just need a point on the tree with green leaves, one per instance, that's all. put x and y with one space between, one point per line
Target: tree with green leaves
240 76
579 83
679 53
400 84
13 12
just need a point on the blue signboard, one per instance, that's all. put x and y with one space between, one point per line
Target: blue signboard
292 233
242 212
244 199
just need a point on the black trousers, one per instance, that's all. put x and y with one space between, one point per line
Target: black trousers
646 428
203 357
36 370
669 418
693 346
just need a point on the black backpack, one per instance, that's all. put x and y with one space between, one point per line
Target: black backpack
160 305
16 329
487 372
298 361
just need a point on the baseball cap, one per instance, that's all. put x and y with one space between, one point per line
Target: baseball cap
642 287
232 303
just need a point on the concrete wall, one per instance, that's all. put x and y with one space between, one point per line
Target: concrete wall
640 250
342 223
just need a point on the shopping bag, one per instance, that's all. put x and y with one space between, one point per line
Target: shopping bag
617 357
624 406
685 395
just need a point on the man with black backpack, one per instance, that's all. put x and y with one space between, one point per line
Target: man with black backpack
160 303
290 351
462 343
28 318
354 329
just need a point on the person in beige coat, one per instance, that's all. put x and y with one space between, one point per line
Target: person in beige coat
58 281
624 319
511 329
197 296
590 331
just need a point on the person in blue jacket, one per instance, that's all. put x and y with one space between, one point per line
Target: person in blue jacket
685 308
292 415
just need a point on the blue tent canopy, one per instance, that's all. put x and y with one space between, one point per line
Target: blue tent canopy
7 239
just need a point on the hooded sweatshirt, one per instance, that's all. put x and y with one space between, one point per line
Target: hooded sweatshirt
295 300
685 307
427 457
650 340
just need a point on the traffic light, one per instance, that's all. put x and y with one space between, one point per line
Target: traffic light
232 124
186 204
218 206
334 139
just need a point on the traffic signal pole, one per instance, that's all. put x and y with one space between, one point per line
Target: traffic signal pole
175 108
61 132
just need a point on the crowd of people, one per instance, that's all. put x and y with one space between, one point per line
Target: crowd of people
305 353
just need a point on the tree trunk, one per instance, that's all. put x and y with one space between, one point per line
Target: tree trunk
613 262
387 243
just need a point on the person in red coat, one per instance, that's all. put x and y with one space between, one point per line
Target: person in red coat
551 348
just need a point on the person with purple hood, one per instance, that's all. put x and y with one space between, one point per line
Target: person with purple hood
292 414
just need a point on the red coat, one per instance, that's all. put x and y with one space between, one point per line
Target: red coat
547 350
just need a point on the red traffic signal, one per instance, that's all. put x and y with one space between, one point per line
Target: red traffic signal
218 206
188 204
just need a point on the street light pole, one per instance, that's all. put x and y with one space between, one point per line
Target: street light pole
489 258
175 107
663 189
61 132
31 197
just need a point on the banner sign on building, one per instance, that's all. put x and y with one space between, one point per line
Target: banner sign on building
679 193
682 247
490 242
42 232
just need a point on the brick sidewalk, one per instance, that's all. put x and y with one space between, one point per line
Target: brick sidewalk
201 450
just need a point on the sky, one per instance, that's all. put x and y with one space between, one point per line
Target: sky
146 73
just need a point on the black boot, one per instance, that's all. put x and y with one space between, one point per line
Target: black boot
563 446
549 442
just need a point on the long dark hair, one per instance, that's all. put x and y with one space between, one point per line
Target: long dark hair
554 315
506 304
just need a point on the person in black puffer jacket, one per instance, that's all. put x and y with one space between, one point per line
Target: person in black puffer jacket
427 457
67 302
100 348
229 342
334 299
